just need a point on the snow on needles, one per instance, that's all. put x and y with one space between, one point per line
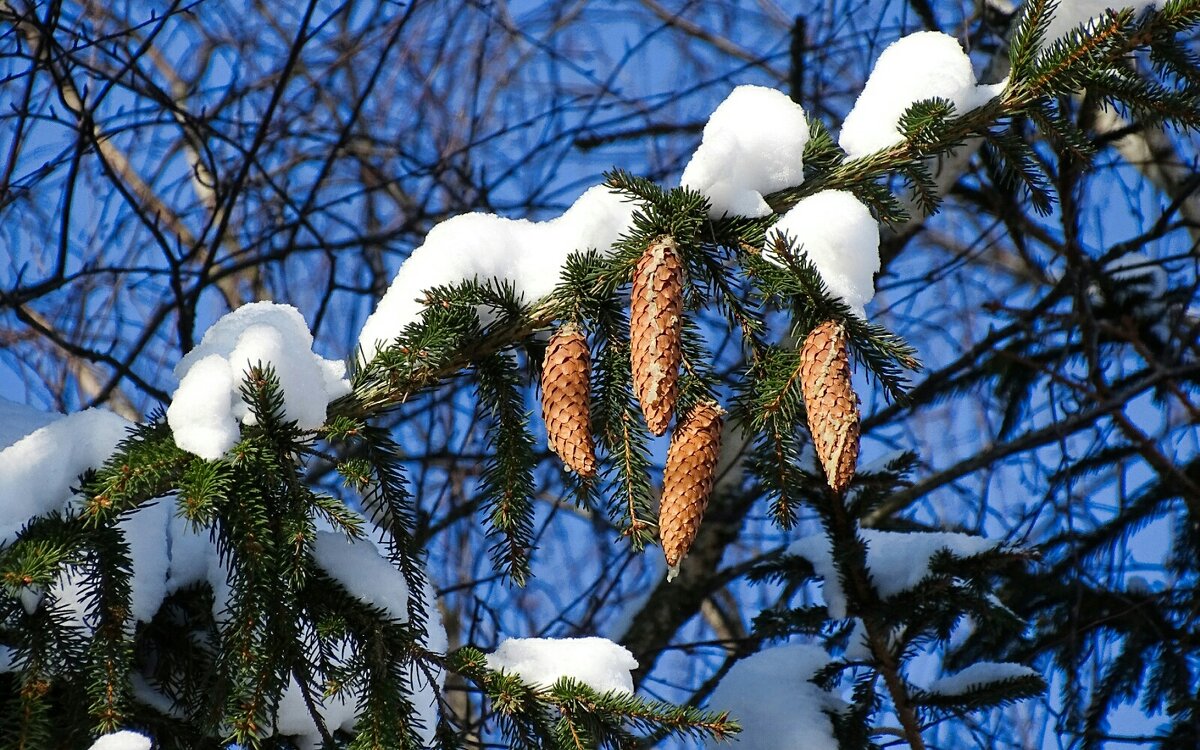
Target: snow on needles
38 469
124 740
207 407
753 145
37 472
841 238
1072 13
45 454
771 696
597 662
360 568
528 254
924 65
897 561
18 420
979 675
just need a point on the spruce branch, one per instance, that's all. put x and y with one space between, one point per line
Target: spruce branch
507 481
570 715
110 651
262 514
1040 73
850 559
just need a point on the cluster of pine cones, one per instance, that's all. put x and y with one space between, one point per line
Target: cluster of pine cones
655 331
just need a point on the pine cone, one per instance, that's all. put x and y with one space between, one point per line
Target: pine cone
688 480
566 390
655 325
831 402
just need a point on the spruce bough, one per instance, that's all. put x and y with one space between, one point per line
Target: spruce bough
289 621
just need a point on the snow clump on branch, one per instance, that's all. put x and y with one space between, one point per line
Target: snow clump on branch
897 561
840 237
44 454
530 255
779 708
41 458
920 66
753 145
596 662
123 740
978 676
207 407
1072 13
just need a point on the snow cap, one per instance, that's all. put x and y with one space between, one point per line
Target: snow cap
1072 13
924 65
528 254
597 662
753 145
979 675
896 560
770 694
38 469
123 740
207 407
840 237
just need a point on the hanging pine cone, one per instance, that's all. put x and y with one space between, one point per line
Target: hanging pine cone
655 325
688 480
831 402
566 390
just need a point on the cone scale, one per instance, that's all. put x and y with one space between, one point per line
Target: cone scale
655 329
830 402
566 393
688 480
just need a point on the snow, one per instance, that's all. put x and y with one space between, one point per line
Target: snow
770 695
924 65
18 420
528 254
1072 13
160 545
840 237
979 675
123 740
38 469
193 557
207 407
1140 273
167 554
147 693
858 646
897 561
293 719
363 568
145 532
367 575
597 662
753 145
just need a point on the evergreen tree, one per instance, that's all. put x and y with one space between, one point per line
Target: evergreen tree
292 606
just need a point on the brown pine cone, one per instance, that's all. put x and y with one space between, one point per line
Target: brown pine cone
688 480
655 326
831 402
566 392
